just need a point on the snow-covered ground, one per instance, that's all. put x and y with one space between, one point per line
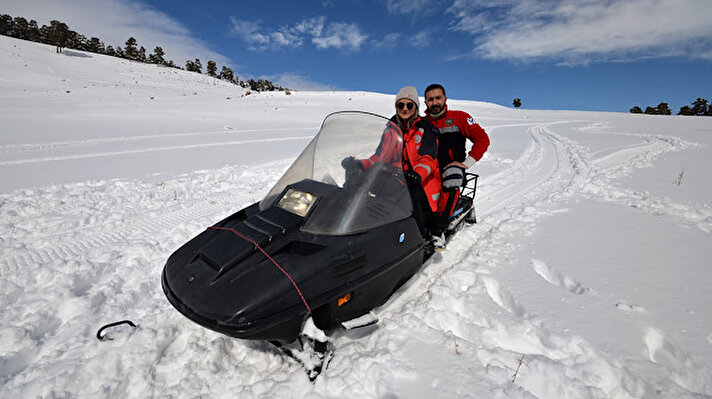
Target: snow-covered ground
590 263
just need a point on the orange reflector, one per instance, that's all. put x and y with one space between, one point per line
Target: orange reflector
344 299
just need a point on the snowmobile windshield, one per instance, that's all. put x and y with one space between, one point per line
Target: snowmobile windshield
356 196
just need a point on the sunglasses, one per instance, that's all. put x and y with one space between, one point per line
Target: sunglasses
409 105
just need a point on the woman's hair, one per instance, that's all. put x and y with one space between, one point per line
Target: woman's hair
405 125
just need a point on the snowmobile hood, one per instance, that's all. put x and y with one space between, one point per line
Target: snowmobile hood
222 276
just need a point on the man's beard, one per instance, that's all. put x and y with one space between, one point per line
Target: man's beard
435 109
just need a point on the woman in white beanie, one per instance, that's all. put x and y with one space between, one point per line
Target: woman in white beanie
419 149
420 165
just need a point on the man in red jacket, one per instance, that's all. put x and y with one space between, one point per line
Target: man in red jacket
455 128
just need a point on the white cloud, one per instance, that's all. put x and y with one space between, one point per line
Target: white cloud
414 7
298 81
389 42
312 26
340 36
422 39
581 31
114 21
337 35
258 40
407 6
249 31
393 41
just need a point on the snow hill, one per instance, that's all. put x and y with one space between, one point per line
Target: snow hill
590 263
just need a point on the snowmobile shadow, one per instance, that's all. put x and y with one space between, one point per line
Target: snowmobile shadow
435 258
260 346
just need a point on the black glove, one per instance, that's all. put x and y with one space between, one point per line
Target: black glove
411 177
349 163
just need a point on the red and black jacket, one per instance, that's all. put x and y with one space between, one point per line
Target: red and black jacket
455 127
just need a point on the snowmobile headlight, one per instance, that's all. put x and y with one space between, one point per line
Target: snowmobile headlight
297 202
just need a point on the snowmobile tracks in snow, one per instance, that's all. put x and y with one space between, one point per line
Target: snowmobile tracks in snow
91 234
37 147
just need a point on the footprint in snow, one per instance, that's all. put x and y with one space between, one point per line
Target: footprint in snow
662 350
558 279
502 297
683 368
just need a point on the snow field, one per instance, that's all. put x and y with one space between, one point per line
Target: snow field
589 262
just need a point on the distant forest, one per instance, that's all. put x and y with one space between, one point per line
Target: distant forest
58 34
699 107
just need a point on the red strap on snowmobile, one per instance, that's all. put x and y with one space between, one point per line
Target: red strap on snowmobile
306 305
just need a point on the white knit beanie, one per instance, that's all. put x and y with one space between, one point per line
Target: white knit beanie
410 93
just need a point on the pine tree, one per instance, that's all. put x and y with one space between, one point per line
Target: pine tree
58 34
517 102
141 54
700 106
663 109
212 68
685 110
227 74
194 66
96 46
45 35
130 51
157 56
20 29
636 110
33 31
197 66
77 41
6 25
110 51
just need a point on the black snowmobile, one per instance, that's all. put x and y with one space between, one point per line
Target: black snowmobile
320 251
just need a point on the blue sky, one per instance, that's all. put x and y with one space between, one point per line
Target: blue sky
601 55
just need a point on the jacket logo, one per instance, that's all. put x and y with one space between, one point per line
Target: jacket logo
471 120
450 121
418 138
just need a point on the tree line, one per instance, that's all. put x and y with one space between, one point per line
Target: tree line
58 34
699 107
